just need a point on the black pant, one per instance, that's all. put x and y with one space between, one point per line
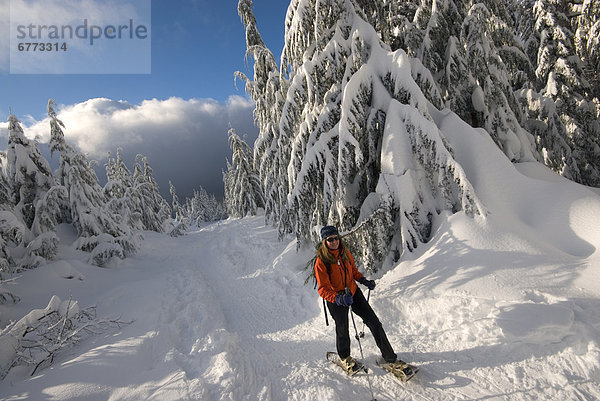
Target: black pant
361 308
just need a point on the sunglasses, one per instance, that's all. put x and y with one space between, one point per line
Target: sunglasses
332 239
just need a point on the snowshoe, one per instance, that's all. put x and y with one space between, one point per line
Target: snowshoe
402 370
350 365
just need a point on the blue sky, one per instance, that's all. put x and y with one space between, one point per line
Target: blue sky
197 45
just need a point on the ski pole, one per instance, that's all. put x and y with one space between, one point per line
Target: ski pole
362 332
361 350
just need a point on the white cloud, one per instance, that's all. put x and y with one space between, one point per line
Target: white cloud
185 140
4 130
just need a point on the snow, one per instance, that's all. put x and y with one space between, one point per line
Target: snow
478 99
503 307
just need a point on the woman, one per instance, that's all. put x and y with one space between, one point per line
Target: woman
336 275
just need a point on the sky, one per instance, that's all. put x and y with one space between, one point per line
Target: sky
177 115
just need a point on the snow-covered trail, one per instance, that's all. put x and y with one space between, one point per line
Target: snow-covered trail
271 337
245 299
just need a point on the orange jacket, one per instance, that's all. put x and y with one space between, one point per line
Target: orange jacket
342 275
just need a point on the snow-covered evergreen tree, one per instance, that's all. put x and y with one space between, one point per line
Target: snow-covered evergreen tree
29 174
100 231
118 175
494 100
363 151
30 180
176 205
154 210
196 208
54 207
561 79
119 192
203 207
468 49
428 32
181 221
5 192
265 89
214 209
587 41
12 233
11 230
136 197
243 194
487 74
525 31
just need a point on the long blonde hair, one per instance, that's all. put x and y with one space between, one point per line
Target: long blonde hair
327 257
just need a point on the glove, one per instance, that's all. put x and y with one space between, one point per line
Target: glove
370 284
343 299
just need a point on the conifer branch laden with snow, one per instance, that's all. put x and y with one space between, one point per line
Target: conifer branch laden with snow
29 173
243 194
571 102
27 183
355 143
482 58
266 92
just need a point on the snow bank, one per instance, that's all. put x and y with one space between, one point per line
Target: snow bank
530 200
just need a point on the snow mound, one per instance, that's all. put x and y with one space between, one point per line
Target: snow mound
546 210
65 269
536 323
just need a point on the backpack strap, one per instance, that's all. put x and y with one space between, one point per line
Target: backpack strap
328 266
